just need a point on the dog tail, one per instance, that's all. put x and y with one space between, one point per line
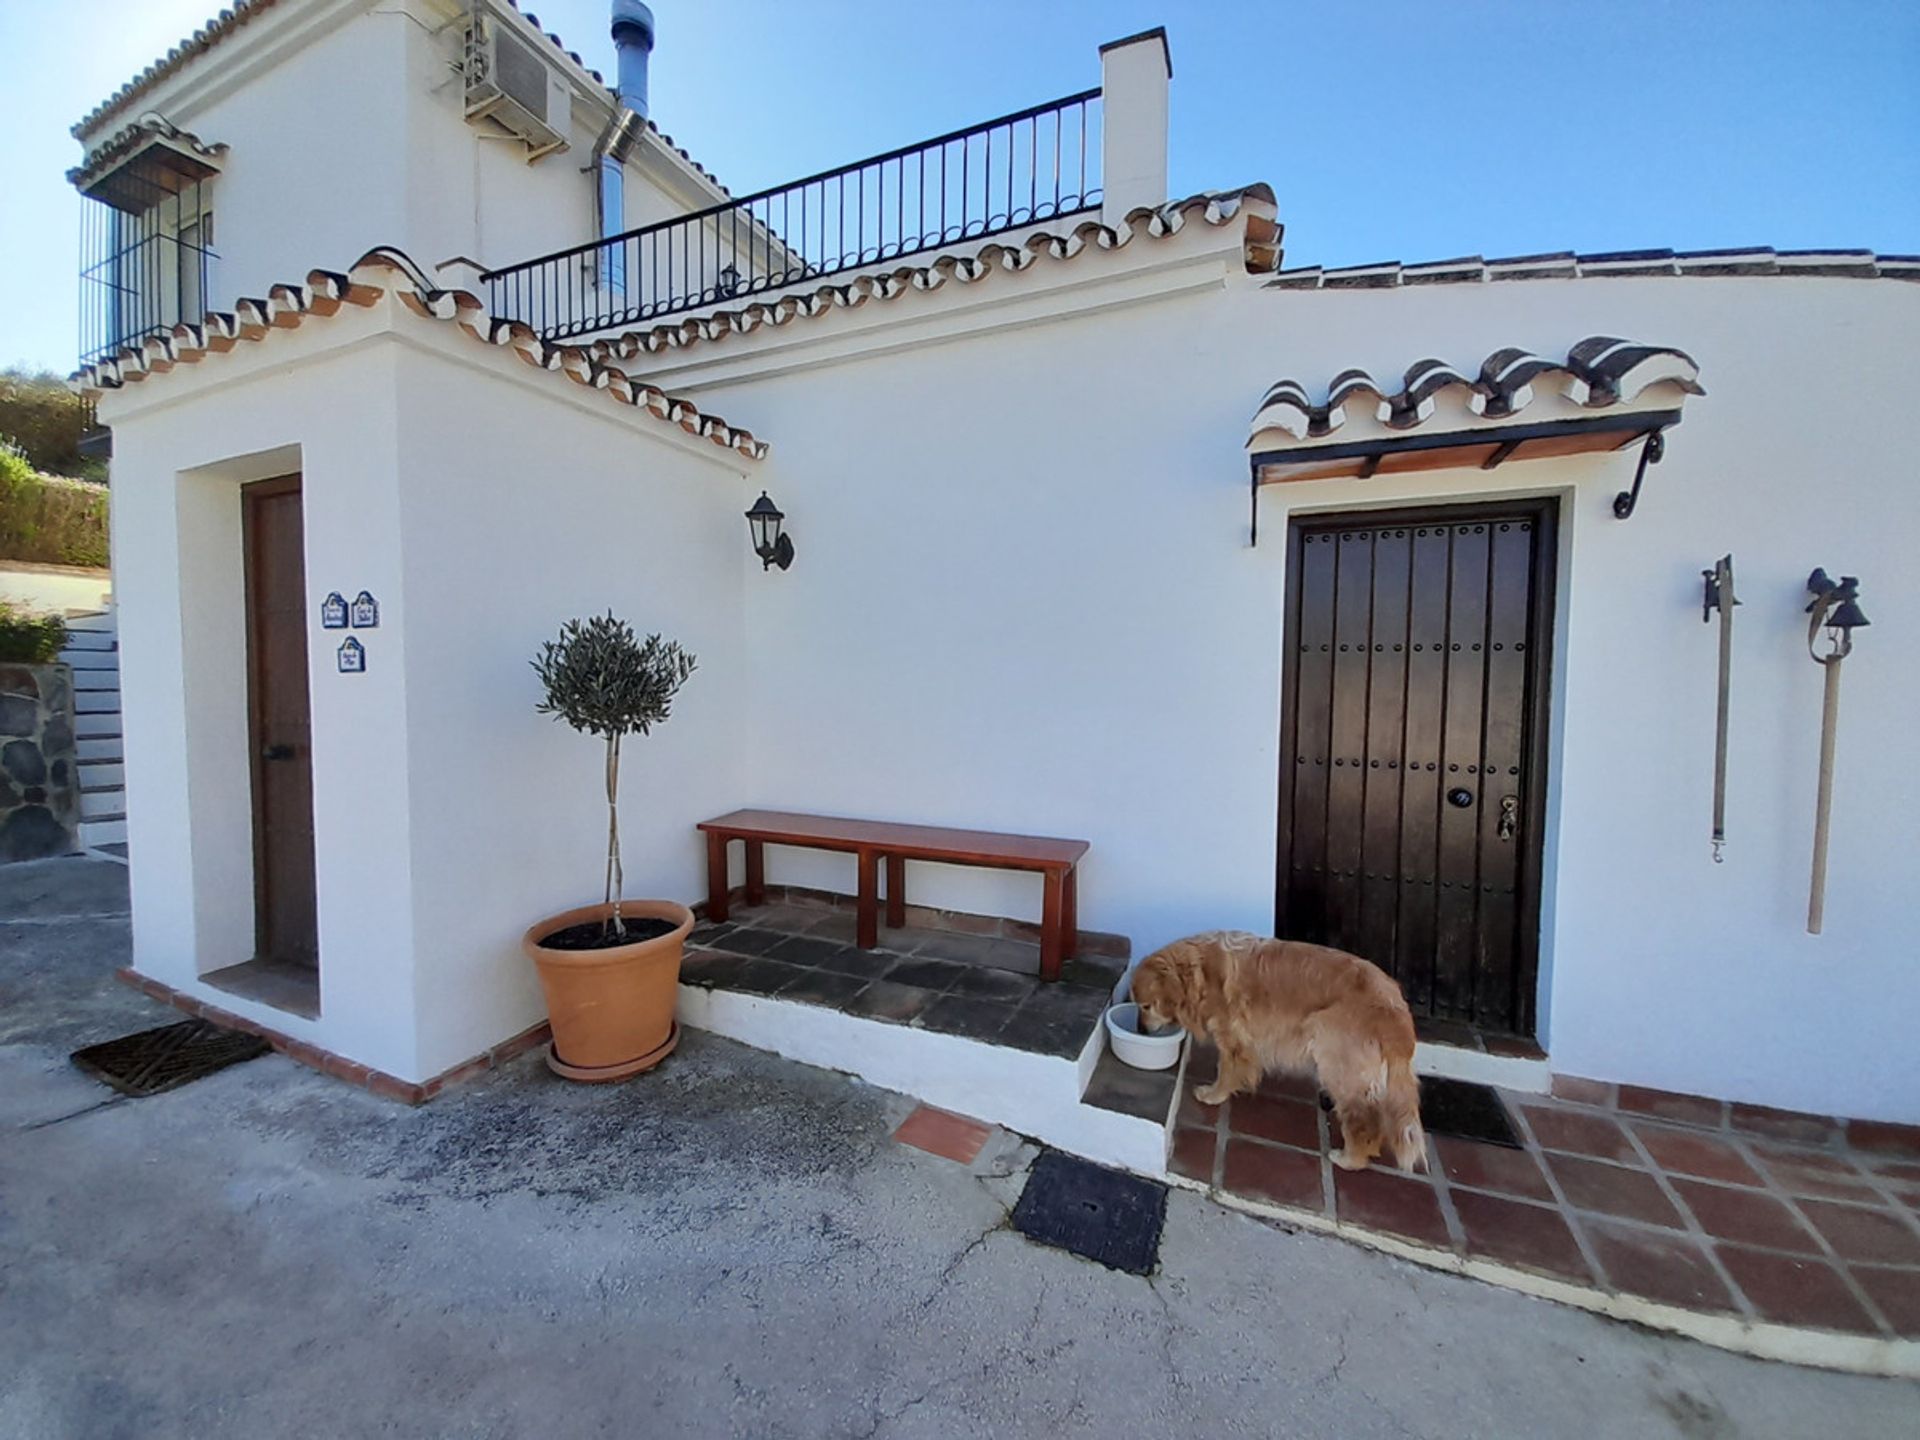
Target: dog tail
1400 1116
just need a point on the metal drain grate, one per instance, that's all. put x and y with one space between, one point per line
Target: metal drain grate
1472 1112
156 1060
1099 1214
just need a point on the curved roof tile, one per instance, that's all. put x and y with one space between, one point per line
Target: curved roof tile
1471 269
377 273
1598 372
1253 202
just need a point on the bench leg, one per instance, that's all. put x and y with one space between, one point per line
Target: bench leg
716 878
1052 906
896 891
1070 916
756 872
867 914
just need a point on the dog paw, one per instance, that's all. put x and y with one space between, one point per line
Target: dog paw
1211 1094
1347 1160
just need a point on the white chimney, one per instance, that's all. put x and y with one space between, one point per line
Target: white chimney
1133 100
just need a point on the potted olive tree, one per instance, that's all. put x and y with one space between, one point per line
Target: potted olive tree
611 972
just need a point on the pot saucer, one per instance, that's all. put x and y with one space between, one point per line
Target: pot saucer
593 1074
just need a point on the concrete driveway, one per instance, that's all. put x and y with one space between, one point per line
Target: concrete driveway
733 1246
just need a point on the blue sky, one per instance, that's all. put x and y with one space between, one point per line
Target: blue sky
1388 130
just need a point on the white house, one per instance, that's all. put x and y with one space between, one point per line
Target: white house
1339 603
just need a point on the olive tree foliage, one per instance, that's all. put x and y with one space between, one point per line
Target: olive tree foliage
602 680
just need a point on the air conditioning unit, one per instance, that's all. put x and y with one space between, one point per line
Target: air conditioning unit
511 83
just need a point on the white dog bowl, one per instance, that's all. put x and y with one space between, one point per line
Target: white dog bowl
1157 1050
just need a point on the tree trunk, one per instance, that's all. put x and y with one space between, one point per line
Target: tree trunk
615 879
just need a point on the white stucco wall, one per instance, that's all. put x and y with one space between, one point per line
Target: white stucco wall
1024 599
347 130
522 508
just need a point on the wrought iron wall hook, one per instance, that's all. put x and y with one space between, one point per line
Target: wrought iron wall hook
1650 454
1718 595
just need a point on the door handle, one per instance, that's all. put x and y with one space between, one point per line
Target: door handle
1509 816
276 752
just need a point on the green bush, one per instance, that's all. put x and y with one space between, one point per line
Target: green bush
48 518
29 639
47 420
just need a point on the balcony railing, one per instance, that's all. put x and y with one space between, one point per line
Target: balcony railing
136 281
1007 174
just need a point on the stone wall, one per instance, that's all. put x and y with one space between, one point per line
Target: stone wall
39 781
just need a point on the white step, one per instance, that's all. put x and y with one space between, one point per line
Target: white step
92 621
91 640
104 832
91 661
102 774
103 804
94 724
97 747
97 702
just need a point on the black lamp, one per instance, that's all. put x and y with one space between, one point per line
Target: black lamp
773 548
1836 608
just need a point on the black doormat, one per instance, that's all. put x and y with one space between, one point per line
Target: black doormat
1096 1213
1472 1112
156 1060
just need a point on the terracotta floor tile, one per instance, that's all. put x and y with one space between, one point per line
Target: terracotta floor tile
1266 1172
1896 1292
1796 1290
1657 1264
1529 1235
1284 1086
1686 1152
1580 1133
1613 1190
1788 1125
1192 1112
1193 1153
1666 1105
1398 1204
1748 1217
1819 1173
1492 1167
1902 1170
1868 1236
1287 1122
942 1133
1885 1138
1203 1063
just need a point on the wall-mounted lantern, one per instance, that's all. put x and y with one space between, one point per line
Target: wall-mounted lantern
773 548
1835 607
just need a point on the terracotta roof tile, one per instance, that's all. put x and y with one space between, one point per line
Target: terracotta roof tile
1597 373
110 151
375 274
1253 203
1471 269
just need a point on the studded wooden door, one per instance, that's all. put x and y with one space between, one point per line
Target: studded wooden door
1413 739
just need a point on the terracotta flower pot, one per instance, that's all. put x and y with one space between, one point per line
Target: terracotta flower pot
612 1009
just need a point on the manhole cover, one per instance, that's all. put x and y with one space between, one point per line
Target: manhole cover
156 1060
1093 1212
1473 1112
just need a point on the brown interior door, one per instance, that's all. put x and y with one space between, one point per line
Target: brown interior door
285 926
1413 743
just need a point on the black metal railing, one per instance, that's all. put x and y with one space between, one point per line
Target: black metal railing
1007 174
140 277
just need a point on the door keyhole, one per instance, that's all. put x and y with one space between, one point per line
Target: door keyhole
1509 816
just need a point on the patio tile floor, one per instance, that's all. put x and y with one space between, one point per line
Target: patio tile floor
981 987
1709 1218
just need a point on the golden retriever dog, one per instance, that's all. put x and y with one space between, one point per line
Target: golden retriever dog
1285 1005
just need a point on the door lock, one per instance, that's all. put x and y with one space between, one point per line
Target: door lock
1509 816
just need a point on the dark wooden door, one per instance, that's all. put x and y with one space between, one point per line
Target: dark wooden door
1413 748
285 926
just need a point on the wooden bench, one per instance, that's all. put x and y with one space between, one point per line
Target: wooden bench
870 841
